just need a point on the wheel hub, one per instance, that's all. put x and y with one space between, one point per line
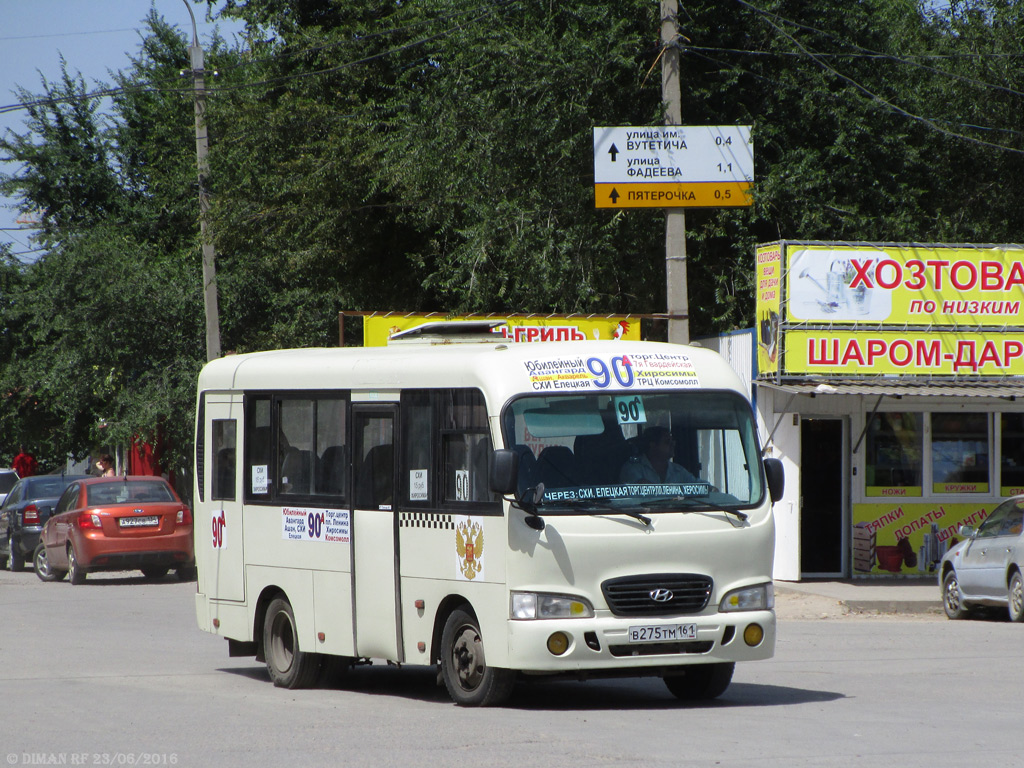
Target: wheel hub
468 655
953 595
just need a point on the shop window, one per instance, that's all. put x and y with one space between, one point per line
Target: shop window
960 453
893 448
1012 449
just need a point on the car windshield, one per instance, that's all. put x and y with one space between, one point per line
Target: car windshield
7 481
128 492
596 451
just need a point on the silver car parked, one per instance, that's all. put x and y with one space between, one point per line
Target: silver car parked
986 567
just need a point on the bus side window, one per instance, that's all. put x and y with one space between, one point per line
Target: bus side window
294 445
331 471
223 459
466 446
418 453
257 447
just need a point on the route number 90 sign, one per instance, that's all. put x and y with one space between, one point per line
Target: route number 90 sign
618 372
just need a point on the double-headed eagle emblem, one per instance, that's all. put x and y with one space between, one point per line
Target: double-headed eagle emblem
469 544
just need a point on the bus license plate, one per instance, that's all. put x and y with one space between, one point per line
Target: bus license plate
659 633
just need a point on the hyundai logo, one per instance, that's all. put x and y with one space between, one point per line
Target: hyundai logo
661 595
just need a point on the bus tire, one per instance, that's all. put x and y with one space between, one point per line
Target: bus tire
288 666
701 682
335 670
470 682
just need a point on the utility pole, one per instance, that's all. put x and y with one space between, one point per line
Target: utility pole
203 166
675 218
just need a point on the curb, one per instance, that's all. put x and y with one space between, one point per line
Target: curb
893 606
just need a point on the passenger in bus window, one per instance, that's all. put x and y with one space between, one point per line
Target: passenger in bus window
655 464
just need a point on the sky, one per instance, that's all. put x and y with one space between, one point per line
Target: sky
95 37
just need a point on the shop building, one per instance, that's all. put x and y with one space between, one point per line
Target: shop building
890 381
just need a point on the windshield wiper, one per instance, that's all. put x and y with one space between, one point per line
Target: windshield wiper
599 503
702 500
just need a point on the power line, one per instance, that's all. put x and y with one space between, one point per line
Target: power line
871 54
868 92
70 34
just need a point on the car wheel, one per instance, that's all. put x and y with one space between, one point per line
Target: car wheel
288 666
41 564
3 557
470 682
154 572
76 574
1015 597
952 599
701 682
17 561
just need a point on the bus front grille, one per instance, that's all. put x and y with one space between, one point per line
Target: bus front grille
659 594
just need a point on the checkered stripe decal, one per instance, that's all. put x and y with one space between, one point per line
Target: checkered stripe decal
426 520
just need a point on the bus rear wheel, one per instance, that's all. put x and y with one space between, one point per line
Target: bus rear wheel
288 666
470 682
701 682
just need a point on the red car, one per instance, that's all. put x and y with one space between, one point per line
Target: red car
116 524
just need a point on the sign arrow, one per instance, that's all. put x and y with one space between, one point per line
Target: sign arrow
613 152
614 196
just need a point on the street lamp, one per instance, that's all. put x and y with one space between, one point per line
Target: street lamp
203 167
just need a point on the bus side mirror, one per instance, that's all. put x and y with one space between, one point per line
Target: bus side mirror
504 476
776 478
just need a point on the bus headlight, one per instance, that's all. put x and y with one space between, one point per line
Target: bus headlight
757 598
537 605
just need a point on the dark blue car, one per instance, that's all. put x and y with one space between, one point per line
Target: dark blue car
23 513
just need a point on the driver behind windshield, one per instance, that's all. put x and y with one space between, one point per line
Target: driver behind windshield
655 465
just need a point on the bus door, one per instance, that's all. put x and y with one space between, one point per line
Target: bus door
377 622
222 571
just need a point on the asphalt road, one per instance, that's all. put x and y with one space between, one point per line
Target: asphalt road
114 672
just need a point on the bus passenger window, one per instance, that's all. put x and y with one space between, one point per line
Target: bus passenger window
466 446
294 446
331 476
257 447
223 459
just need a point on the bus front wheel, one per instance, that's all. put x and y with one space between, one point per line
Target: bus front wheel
470 682
288 666
701 682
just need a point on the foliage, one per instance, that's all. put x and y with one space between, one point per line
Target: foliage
437 155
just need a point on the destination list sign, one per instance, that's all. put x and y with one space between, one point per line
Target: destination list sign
672 166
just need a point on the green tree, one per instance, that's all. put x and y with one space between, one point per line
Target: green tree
105 328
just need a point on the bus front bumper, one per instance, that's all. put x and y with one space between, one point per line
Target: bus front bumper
602 645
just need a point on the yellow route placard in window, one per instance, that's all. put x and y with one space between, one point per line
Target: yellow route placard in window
710 194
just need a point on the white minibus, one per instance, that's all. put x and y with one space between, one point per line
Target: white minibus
503 510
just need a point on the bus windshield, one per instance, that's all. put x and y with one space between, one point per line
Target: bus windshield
631 449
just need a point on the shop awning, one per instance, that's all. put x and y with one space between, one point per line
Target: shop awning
1003 389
